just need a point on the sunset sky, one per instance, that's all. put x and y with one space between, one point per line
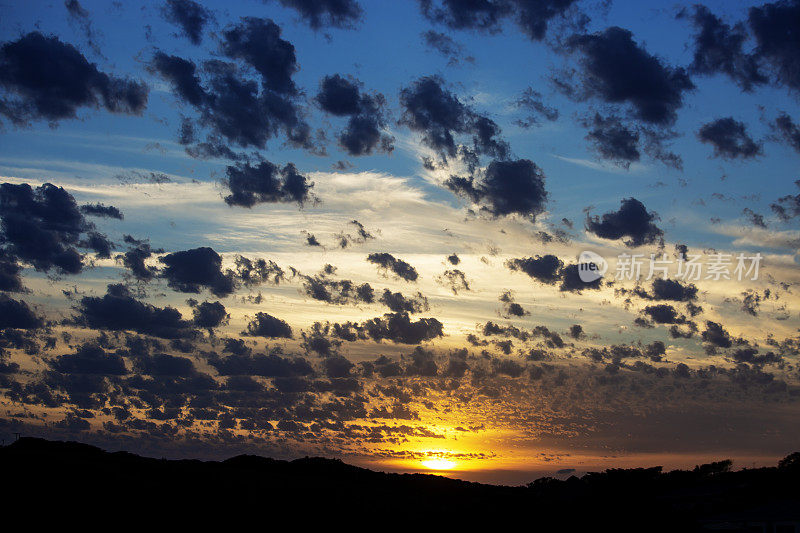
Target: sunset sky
352 229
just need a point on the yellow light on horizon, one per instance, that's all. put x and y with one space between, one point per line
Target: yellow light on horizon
438 463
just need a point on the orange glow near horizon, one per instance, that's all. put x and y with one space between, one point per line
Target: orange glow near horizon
438 464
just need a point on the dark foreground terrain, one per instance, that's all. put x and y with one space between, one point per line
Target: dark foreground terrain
74 480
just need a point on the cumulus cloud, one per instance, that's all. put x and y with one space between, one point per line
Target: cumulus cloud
398 303
326 13
505 188
777 41
613 140
364 131
44 226
118 310
90 359
340 292
250 184
392 264
197 269
454 279
209 315
532 18
718 48
43 78
268 326
189 16
632 223
232 107
787 207
532 102
617 70
432 110
17 314
399 328
510 307
446 46
788 131
729 138
103 211
265 365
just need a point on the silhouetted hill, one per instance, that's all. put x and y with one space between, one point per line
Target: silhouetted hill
69 476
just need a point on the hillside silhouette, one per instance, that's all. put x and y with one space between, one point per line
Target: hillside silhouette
78 477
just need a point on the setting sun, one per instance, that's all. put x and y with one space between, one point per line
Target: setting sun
438 464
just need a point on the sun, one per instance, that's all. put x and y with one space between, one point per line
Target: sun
438 464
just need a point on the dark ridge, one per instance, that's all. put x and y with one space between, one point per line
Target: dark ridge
313 488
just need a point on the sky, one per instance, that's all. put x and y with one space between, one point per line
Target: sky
491 239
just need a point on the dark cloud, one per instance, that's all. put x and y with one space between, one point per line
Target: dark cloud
209 315
613 140
182 75
258 43
756 219
364 131
100 210
311 240
788 131
616 70
455 279
532 18
436 113
777 39
197 269
162 364
460 14
576 331
251 272
664 314
265 365
399 303
510 307
716 335
44 78
446 46
632 221
90 359
190 16
326 13
505 188
337 291
44 227
232 107
268 326
17 314
117 310
729 138
10 280
787 207
339 96
718 49
572 282
79 15
670 289
533 104
399 328
134 258
397 266
361 236
546 268
265 183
